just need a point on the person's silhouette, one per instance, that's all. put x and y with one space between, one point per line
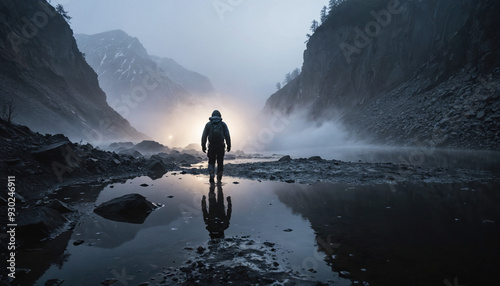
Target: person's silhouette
216 218
217 133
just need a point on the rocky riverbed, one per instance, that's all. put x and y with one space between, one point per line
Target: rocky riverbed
47 164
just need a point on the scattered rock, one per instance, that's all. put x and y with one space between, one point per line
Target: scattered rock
150 146
288 230
132 208
109 281
315 158
345 273
269 244
286 158
131 152
200 249
156 167
121 145
60 206
144 185
78 242
229 157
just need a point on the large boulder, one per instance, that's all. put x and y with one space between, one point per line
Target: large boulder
131 208
61 152
39 222
156 168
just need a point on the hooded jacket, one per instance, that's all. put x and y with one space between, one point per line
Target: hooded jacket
216 117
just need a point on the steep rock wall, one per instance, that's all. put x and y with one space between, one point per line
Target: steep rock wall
47 79
367 50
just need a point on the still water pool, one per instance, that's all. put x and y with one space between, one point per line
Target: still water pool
138 251
412 233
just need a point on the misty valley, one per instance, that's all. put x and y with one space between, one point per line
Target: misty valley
375 163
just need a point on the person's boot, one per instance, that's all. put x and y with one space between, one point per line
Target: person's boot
219 176
211 172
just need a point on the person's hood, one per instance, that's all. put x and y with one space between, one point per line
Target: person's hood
216 116
215 119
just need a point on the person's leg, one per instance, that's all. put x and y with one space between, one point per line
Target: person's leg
220 162
211 163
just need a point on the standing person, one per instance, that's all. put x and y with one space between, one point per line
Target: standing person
217 132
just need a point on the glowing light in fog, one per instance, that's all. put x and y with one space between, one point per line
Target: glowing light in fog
185 124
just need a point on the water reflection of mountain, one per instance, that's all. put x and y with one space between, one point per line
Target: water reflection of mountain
404 235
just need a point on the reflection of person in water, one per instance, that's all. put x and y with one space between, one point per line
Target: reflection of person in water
216 218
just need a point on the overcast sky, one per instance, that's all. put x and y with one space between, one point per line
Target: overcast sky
244 46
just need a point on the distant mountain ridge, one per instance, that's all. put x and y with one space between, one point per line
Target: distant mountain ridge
400 72
193 82
142 88
47 79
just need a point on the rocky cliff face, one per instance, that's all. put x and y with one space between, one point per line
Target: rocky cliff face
47 79
140 87
404 72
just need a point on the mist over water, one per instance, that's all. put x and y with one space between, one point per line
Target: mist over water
252 129
301 134
184 124
283 134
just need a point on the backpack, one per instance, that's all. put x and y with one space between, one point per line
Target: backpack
216 134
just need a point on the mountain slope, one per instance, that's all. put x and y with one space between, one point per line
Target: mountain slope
47 79
136 85
193 82
400 72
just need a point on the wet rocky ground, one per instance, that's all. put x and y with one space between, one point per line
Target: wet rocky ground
314 170
233 260
43 163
